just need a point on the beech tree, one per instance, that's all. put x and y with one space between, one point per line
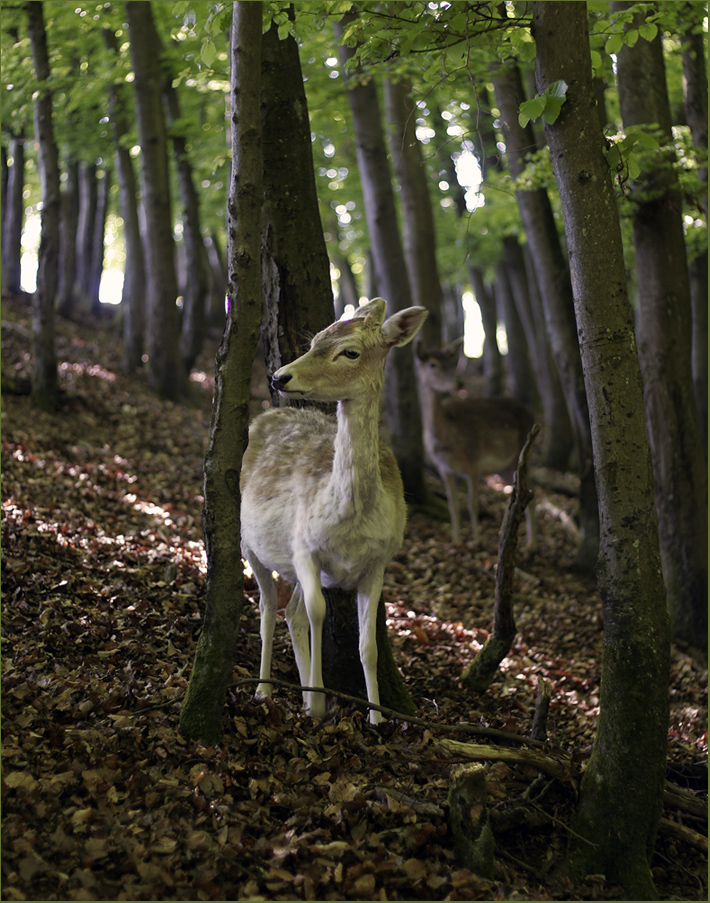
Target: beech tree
621 796
201 713
401 404
13 210
44 363
664 333
166 371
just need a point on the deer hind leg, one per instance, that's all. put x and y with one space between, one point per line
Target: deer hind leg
368 600
472 481
268 601
297 620
308 574
453 500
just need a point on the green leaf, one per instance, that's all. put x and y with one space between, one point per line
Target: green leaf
284 30
631 36
613 157
613 44
634 167
208 54
596 60
555 95
648 31
531 109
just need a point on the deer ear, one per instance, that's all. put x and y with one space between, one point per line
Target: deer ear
401 327
376 308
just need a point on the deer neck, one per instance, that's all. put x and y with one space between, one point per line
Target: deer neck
356 480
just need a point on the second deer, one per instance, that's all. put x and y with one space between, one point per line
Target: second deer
468 437
322 497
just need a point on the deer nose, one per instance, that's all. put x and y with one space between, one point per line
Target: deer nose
278 382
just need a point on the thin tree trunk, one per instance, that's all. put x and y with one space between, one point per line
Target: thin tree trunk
492 361
218 283
166 371
13 214
85 234
194 290
133 297
97 255
201 713
558 435
621 797
664 335
418 231
298 296
67 242
556 292
521 377
44 369
401 403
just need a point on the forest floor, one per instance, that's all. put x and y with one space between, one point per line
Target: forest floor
103 581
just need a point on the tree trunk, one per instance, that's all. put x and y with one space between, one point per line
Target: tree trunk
556 292
166 371
201 713
401 402
194 290
621 795
13 214
521 377
298 296
133 297
695 88
492 361
415 203
558 435
97 255
44 365
67 241
664 335
218 282
85 234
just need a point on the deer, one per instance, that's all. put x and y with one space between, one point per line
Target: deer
468 437
322 499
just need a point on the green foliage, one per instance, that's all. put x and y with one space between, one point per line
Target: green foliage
547 105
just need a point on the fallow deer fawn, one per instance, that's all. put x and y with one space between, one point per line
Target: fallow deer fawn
322 497
468 437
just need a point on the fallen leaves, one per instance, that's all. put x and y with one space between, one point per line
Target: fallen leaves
103 583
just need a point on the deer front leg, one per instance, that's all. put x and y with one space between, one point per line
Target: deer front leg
297 620
368 599
268 601
453 500
308 574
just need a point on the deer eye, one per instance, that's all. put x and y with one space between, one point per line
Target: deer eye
351 354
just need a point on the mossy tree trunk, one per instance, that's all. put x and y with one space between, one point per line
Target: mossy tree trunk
620 802
201 714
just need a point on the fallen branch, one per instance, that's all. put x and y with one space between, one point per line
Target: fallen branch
557 767
462 728
482 669
681 832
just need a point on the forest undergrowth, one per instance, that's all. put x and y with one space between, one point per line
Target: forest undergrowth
103 585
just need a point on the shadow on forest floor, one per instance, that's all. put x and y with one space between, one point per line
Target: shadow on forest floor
103 586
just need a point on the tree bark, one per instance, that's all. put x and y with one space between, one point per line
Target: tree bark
555 288
298 296
664 335
44 366
85 227
492 361
97 255
418 231
621 796
67 240
401 402
521 377
13 214
133 297
194 290
558 435
201 712
166 371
